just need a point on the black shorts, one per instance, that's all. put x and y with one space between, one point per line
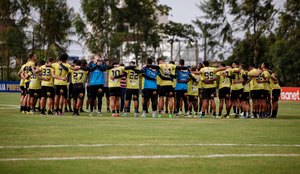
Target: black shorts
132 94
36 93
224 93
115 91
27 88
22 90
255 94
149 93
236 94
275 95
208 93
61 90
265 94
47 91
88 91
78 89
166 91
96 90
106 91
70 91
245 96
192 98
180 94
200 92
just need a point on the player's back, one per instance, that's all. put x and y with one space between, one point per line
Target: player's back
114 72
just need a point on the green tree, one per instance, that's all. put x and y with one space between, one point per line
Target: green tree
176 31
52 28
13 18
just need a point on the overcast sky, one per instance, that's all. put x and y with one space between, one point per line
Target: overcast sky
183 11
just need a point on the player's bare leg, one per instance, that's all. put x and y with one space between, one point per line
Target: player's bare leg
117 105
160 105
213 106
221 104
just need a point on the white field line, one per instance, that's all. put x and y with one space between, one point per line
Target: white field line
147 157
16 106
137 145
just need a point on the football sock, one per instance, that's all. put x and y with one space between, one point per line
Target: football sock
113 111
234 109
118 110
214 114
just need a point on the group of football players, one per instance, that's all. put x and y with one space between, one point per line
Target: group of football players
50 87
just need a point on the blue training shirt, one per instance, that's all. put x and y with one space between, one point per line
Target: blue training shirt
97 76
182 75
150 73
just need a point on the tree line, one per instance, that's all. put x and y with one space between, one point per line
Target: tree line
247 31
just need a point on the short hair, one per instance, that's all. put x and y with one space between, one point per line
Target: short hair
78 63
149 61
235 62
121 64
181 62
75 61
159 59
267 65
206 63
83 62
42 62
132 62
31 55
172 62
223 64
193 68
63 57
51 59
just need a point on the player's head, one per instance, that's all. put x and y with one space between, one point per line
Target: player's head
51 60
41 63
160 61
235 64
96 58
63 57
83 63
206 63
172 62
149 61
200 65
32 57
115 64
132 63
106 61
193 68
251 66
78 63
222 65
244 66
265 65
181 62
75 62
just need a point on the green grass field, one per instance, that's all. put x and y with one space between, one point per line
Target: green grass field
84 144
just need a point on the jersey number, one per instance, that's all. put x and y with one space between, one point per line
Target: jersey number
116 73
133 75
209 75
46 72
77 76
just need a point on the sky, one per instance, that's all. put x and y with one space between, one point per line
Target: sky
183 11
